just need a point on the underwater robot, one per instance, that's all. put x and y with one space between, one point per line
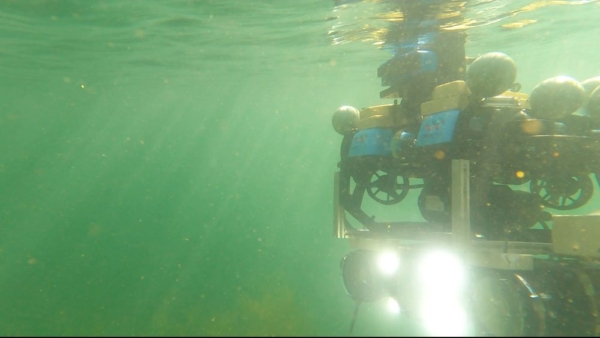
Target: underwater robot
500 175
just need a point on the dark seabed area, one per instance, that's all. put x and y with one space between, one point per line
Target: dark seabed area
166 167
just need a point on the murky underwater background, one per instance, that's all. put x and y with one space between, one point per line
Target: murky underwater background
166 167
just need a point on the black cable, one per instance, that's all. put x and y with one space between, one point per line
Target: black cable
354 315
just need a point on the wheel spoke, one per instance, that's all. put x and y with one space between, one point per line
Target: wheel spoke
393 186
563 192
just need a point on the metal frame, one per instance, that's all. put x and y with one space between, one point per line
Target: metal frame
461 219
504 255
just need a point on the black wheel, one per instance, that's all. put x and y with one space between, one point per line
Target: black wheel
563 193
386 189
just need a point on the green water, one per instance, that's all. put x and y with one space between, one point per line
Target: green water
166 167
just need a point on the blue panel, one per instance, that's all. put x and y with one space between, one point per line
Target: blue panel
373 141
428 61
437 128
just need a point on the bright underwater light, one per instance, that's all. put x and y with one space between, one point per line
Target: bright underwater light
442 276
441 270
388 262
444 317
392 306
